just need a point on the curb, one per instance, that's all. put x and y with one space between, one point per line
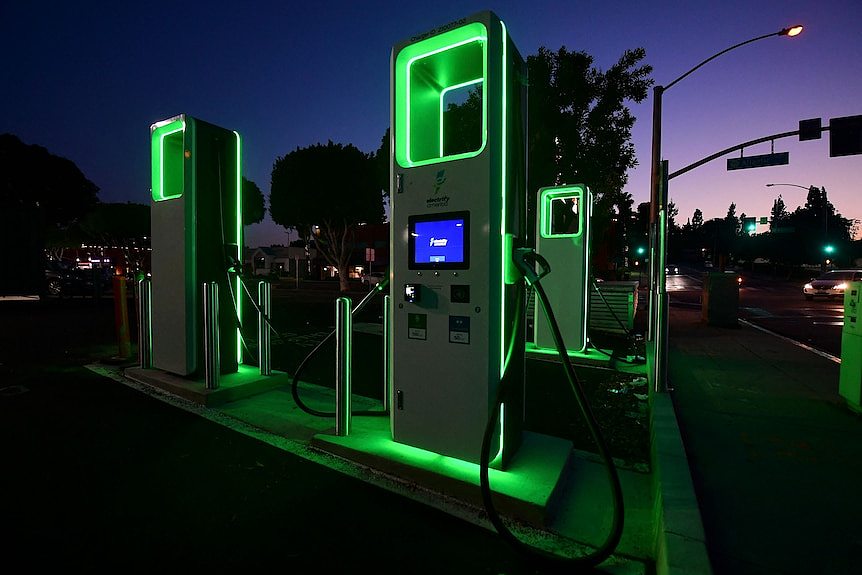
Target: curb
680 542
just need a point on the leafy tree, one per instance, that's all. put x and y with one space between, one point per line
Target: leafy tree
580 125
382 163
697 219
253 209
672 213
815 225
779 214
322 192
40 194
30 177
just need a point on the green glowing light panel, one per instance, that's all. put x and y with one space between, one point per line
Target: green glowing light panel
563 238
458 190
196 225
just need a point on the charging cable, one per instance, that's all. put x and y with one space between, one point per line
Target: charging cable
526 259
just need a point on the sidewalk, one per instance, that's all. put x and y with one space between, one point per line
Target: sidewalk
775 456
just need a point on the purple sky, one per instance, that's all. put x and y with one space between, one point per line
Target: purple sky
86 80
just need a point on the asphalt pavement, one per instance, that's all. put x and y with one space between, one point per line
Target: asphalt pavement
775 455
101 476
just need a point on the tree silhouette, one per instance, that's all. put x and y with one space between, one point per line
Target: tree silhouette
580 126
253 209
31 177
322 192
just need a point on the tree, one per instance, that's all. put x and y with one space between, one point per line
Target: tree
672 213
40 194
382 163
30 176
697 219
253 209
322 192
779 213
580 125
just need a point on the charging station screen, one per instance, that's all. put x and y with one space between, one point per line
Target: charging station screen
440 241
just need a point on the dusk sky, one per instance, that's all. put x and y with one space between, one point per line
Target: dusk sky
86 80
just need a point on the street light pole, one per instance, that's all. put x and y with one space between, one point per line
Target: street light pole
658 320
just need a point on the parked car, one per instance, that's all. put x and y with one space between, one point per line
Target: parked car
372 279
64 279
830 284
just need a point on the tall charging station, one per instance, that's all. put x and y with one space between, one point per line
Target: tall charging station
458 209
196 228
563 237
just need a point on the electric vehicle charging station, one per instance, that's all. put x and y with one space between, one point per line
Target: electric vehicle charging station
196 229
563 237
850 378
458 211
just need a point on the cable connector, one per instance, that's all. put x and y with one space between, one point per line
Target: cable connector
525 260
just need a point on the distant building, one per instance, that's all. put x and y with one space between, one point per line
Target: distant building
283 261
370 253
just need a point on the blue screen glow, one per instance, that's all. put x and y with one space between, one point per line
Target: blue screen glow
440 241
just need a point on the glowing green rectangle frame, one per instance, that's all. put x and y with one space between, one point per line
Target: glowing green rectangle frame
158 158
473 32
549 196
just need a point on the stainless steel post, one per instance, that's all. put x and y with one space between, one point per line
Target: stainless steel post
343 357
211 336
145 325
264 300
387 339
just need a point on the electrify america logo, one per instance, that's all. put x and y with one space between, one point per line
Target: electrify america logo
436 200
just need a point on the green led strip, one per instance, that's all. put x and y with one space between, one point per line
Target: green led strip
503 235
584 214
160 132
239 242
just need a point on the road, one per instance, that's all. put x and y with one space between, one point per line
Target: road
773 304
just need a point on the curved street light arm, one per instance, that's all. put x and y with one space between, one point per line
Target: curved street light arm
714 56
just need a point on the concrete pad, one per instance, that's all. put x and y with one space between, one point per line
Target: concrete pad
526 491
584 509
232 386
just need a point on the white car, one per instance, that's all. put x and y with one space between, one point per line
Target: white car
372 279
831 284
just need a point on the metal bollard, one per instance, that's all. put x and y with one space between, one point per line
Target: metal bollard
211 336
264 299
343 357
387 339
145 326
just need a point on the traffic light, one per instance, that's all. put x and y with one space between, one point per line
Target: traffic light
749 225
829 249
641 250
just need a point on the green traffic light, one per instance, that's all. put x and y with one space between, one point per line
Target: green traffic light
641 251
829 249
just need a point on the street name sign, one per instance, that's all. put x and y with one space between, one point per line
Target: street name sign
762 161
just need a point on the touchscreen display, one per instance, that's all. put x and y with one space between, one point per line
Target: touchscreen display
439 241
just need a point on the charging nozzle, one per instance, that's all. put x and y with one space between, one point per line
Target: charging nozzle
526 259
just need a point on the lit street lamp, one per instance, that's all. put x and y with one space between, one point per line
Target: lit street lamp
658 321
